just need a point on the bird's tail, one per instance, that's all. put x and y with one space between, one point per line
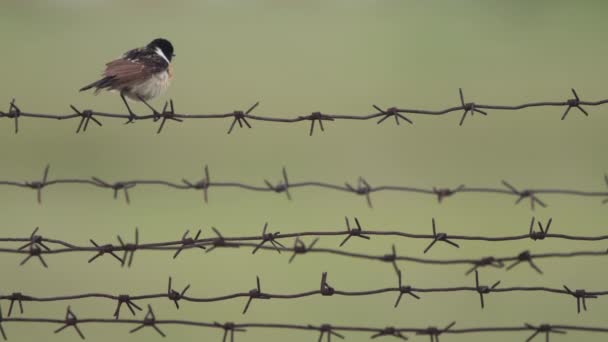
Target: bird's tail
99 84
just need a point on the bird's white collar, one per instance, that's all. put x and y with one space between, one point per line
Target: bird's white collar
160 53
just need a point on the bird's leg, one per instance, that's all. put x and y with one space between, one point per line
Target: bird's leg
156 113
132 115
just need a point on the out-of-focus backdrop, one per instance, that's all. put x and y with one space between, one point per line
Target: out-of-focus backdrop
297 58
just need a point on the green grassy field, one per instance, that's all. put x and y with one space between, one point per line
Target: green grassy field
297 58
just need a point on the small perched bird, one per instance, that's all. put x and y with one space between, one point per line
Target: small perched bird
140 74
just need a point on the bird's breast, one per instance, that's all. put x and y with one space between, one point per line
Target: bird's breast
170 71
153 86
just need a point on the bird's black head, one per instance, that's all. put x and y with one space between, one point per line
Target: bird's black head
165 46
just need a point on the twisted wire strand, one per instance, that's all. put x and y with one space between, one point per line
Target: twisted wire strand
361 188
38 247
241 117
325 290
229 329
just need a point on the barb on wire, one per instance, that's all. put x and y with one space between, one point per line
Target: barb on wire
129 249
525 256
543 230
394 112
255 294
441 237
19 298
104 249
543 329
485 262
524 194
316 116
328 331
39 185
36 252
188 241
128 302
14 112
574 103
220 241
33 248
469 107
175 296
86 116
404 290
581 296
35 241
300 248
483 289
242 118
389 331
363 188
202 184
270 238
392 258
446 192
282 186
167 115
357 232
124 186
229 329
434 332
70 321
149 321
325 289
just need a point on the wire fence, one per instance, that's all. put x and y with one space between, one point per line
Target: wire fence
37 246
241 117
361 188
325 290
324 331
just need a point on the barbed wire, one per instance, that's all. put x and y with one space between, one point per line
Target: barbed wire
37 246
241 117
362 188
325 331
325 290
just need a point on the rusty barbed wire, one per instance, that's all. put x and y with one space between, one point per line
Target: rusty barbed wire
240 117
363 188
37 246
325 330
324 290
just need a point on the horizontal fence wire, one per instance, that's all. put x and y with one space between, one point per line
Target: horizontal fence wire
323 331
325 290
39 247
361 188
242 118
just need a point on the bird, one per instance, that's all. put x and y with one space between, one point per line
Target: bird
140 74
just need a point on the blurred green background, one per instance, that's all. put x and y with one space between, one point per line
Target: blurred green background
296 58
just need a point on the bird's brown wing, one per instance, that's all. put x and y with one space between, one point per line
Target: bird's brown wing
134 67
124 72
